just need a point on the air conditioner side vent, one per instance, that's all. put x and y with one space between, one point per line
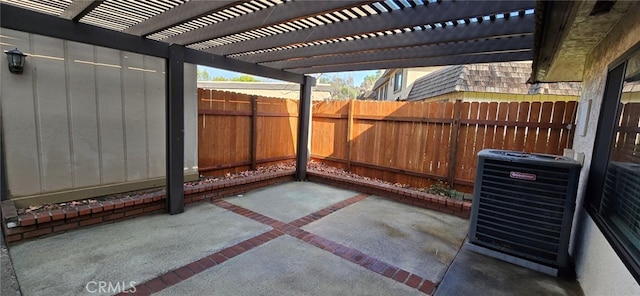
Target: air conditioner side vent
523 205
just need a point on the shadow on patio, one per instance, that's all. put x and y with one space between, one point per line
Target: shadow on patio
296 238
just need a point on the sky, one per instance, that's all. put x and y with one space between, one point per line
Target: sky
358 76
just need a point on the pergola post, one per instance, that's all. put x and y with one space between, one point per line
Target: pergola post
175 129
304 122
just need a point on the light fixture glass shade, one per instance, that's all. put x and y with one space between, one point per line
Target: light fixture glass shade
16 61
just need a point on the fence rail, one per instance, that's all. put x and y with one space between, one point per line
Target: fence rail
238 132
416 142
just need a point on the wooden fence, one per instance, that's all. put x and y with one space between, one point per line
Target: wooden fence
417 143
237 132
625 148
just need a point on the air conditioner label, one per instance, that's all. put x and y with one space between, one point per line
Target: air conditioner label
522 176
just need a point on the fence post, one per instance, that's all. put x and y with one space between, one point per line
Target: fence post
453 144
254 131
349 134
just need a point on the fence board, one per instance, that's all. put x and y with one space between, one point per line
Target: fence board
532 132
554 134
405 142
225 131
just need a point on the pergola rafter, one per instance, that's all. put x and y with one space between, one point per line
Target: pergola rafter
389 21
281 39
473 31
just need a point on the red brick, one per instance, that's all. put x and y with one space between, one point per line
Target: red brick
228 252
217 258
65 227
368 262
153 208
246 245
84 210
57 214
96 208
147 198
390 271
128 201
255 241
71 212
379 267
466 206
91 221
118 204
113 216
141 290
107 205
35 233
401 275
155 285
43 217
13 238
414 281
157 197
137 200
427 287
195 267
207 263
27 219
170 278
133 212
184 272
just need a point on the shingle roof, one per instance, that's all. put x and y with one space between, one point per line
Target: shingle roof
508 78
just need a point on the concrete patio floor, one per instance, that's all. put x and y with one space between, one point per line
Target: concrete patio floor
297 238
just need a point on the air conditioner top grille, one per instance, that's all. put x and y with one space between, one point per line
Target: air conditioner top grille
533 158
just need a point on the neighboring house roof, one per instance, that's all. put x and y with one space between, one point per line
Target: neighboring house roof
491 77
382 80
367 95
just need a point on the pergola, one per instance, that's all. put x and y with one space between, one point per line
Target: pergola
281 39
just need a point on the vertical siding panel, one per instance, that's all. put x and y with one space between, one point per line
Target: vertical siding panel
134 121
53 120
84 118
19 123
154 83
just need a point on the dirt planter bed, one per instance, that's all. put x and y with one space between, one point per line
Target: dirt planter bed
31 225
21 225
409 196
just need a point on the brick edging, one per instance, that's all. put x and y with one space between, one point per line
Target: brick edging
292 229
420 199
30 226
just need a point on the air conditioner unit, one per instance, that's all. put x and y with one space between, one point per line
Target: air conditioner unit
523 208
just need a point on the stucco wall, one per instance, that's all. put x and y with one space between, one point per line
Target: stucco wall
82 116
599 270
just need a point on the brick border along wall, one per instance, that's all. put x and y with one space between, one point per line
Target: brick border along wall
415 198
30 225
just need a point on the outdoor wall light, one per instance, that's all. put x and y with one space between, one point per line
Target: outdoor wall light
16 61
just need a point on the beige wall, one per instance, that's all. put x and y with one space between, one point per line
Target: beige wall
600 271
82 116
409 76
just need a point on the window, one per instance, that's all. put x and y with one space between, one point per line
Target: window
397 81
385 89
613 189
